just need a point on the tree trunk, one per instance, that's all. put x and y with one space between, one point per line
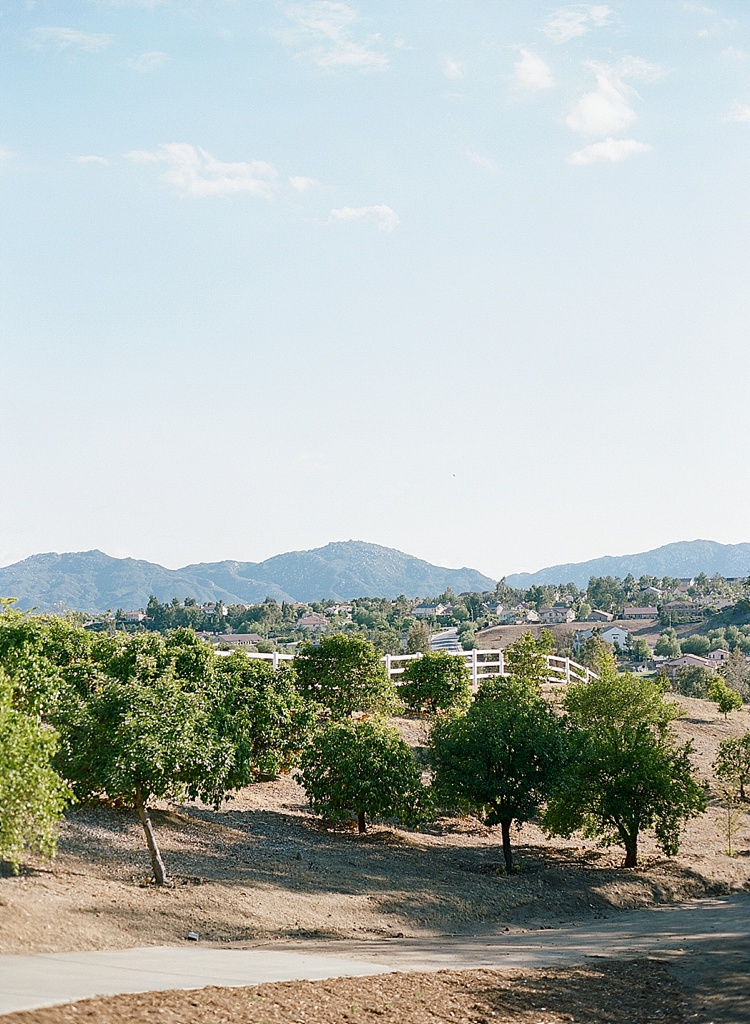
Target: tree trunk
361 823
631 851
160 872
507 851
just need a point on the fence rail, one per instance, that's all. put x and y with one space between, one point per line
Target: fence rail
481 664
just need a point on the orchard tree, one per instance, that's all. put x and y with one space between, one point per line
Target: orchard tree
364 769
438 681
501 758
732 764
627 773
726 699
344 674
526 659
32 795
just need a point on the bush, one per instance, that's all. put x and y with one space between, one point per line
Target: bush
344 674
364 769
693 681
436 682
723 696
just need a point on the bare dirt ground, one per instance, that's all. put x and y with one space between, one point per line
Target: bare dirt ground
262 869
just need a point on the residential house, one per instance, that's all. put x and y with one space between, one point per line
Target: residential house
644 612
312 620
615 635
137 615
682 610
688 661
557 614
597 615
234 639
718 656
428 611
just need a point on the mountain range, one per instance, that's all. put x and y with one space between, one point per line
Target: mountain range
680 560
93 581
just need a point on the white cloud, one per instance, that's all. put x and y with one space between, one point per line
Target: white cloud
532 72
150 60
323 30
302 184
5 156
604 111
739 112
611 150
452 69
384 217
576 20
194 172
736 54
59 38
638 68
91 159
481 161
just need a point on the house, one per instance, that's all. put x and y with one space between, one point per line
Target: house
615 635
718 656
556 614
683 610
597 615
210 608
312 620
428 611
637 612
137 615
235 639
673 666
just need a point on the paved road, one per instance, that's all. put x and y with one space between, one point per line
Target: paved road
703 942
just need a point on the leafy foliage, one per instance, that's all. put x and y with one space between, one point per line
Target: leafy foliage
344 674
725 698
627 773
32 795
501 758
526 659
362 768
732 764
436 682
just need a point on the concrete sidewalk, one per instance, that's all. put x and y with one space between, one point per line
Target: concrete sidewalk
702 931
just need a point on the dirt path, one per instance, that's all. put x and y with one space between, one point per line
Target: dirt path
704 945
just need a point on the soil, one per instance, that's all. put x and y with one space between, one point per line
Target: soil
263 868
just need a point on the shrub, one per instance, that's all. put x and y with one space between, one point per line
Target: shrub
436 682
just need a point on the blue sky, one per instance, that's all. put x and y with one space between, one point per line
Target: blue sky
469 279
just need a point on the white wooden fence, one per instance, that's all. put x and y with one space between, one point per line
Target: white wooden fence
482 665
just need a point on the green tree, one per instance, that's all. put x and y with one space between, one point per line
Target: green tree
667 646
732 764
32 795
695 644
725 698
344 674
526 659
640 650
364 769
736 673
501 758
692 680
436 682
418 638
627 773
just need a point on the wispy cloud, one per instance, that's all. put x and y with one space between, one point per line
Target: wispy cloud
531 72
302 184
5 156
90 159
150 60
611 151
576 20
738 112
606 110
736 54
194 172
323 31
452 69
383 216
59 38
481 160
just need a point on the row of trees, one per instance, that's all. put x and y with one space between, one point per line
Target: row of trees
144 716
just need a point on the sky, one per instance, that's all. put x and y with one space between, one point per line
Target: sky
468 278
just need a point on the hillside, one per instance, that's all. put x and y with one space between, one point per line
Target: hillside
679 560
93 581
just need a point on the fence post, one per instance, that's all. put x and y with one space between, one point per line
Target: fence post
567 671
388 665
474 668
275 660
500 663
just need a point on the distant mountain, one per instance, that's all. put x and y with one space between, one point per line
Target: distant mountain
683 559
92 581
